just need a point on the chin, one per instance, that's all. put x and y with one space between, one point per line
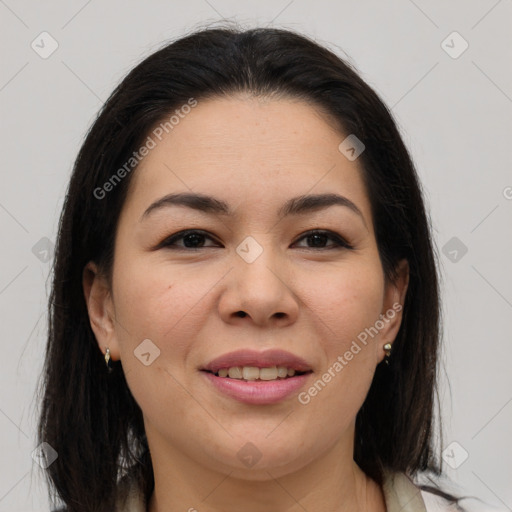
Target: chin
256 458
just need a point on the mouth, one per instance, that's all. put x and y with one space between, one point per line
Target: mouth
254 373
256 391
253 365
257 378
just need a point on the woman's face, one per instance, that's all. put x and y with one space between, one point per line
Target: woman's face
175 305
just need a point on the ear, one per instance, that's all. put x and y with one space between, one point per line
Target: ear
393 305
98 298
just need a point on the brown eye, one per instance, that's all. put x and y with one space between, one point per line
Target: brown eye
191 239
319 238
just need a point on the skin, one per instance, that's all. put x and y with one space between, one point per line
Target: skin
253 154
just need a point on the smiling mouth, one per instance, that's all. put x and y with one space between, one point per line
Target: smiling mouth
254 373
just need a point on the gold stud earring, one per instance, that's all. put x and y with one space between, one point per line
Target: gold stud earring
387 349
107 359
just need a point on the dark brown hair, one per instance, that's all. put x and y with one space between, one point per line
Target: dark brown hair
88 415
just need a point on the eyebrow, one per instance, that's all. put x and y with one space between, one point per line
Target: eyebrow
295 206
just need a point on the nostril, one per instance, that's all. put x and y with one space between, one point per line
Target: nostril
241 314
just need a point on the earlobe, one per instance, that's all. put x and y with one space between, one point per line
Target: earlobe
98 299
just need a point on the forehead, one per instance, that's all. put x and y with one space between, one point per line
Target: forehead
243 126
244 148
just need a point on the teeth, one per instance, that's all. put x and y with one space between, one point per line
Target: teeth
235 372
282 371
255 373
251 372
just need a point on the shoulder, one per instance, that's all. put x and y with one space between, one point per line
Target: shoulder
441 494
463 503
427 493
436 503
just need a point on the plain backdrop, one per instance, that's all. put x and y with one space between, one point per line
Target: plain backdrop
444 68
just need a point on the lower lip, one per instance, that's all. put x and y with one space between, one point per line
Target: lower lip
258 392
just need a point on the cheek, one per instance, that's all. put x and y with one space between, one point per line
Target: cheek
139 299
342 306
345 301
160 302
163 306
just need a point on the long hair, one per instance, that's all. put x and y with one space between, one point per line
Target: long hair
88 415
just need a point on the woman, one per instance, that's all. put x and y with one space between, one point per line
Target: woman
245 306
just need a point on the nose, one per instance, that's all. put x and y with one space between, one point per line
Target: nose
259 292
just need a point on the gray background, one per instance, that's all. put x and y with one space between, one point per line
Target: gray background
454 110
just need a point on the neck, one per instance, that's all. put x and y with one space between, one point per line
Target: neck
332 482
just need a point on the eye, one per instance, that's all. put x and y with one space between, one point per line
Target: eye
192 239
318 238
195 239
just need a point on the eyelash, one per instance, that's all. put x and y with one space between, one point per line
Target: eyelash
339 242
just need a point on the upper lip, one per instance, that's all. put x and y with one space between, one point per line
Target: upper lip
264 359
